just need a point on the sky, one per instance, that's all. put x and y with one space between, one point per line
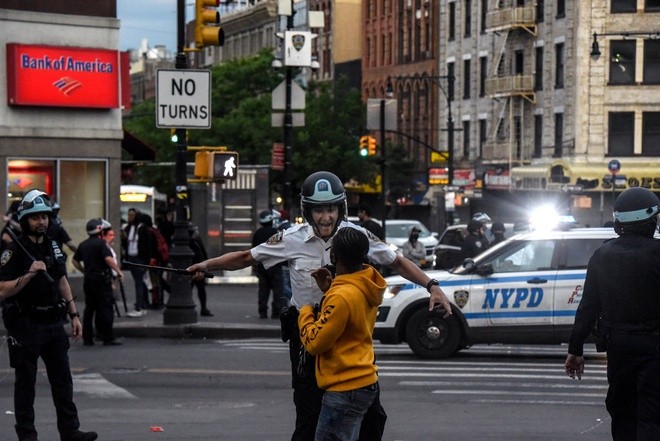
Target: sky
154 20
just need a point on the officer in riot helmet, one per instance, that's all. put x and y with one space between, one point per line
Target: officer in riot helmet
306 247
36 299
620 299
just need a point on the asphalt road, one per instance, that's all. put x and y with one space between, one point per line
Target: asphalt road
192 389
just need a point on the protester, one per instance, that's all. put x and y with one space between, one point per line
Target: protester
620 299
270 279
497 230
94 259
413 249
200 255
364 214
340 336
307 247
36 297
136 248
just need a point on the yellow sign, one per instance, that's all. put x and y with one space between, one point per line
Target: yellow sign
439 156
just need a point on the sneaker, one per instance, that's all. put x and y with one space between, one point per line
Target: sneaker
79 435
206 313
136 313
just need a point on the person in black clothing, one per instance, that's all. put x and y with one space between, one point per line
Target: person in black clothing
269 279
95 260
57 231
475 243
36 298
621 296
497 229
364 214
200 255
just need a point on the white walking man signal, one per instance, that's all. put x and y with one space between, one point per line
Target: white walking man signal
229 167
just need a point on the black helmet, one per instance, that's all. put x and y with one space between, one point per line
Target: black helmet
498 227
266 217
474 225
481 217
322 188
635 206
34 201
94 226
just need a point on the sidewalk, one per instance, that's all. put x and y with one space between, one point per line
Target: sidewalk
233 302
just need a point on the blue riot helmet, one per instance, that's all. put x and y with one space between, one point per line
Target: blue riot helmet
636 211
319 189
34 202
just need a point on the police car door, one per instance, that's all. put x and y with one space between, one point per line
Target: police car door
520 289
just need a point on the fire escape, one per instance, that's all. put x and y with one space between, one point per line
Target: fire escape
507 82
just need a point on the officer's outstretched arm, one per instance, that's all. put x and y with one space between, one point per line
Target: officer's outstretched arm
231 261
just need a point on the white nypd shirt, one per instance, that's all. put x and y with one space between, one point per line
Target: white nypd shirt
307 252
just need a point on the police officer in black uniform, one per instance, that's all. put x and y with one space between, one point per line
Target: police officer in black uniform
622 288
95 260
36 298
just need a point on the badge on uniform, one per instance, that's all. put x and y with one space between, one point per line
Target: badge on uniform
275 238
6 255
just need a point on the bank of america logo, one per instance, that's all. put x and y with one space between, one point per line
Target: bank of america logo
67 85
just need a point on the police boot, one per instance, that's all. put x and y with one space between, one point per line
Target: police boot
79 435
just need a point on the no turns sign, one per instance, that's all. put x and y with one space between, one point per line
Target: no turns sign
183 99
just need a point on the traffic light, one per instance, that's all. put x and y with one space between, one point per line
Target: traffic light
173 136
205 14
364 145
372 147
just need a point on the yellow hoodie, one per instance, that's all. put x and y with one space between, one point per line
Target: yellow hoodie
341 338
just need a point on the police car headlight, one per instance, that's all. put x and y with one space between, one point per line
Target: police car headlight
391 291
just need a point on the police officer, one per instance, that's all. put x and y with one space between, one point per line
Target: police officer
474 243
36 298
307 247
95 260
622 287
269 279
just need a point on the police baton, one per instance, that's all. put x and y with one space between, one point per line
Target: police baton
27 253
123 294
164 268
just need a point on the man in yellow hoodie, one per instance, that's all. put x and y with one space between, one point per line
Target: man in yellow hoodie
341 336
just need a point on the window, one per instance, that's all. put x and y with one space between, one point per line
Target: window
652 6
538 135
538 74
621 133
484 13
559 134
451 73
651 133
466 139
623 6
651 61
466 79
483 73
622 62
451 35
525 256
577 252
519 61
483 136
561 8
540 10
559 66
468 18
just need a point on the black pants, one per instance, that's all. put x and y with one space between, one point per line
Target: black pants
270 280
99 311
633 397
28 342
308 398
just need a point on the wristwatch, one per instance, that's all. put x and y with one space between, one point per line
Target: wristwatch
431 283
74 314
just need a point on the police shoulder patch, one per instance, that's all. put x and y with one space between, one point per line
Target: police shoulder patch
275 238
6 255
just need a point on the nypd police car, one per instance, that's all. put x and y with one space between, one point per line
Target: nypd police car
524 290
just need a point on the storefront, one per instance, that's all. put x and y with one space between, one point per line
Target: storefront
60 116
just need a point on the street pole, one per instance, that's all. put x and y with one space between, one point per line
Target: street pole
180 308
288 129
383 192
450 144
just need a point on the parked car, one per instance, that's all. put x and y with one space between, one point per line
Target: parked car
524 290
398 230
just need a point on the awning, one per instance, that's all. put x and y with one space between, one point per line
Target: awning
586 177
136 148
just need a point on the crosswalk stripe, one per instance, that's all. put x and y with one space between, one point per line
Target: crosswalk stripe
97 386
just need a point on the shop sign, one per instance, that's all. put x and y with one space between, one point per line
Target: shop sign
497 181
438 176
56 76
464 177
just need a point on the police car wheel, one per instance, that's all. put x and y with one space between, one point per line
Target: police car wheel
429 335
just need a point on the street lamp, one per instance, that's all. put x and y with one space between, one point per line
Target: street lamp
448 92
595 49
